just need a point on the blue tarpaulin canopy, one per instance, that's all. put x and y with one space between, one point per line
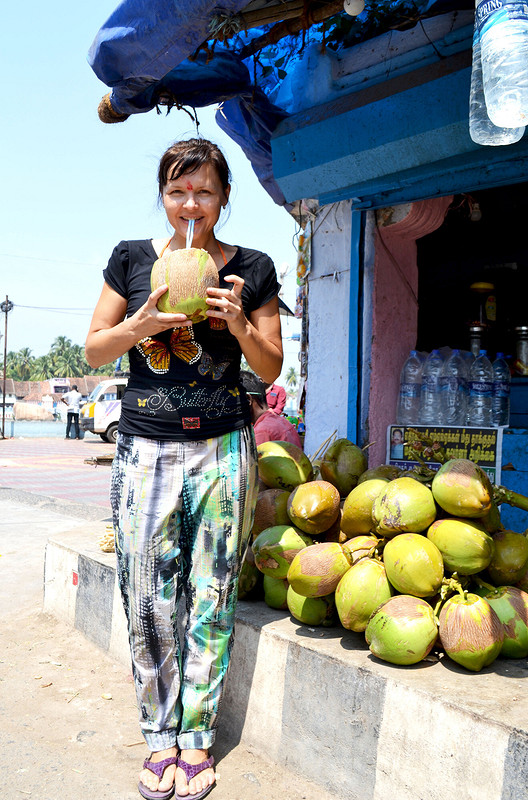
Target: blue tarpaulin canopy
163 53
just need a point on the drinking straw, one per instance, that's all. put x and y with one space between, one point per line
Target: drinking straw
190 233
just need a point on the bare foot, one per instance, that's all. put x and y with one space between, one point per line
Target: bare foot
201 781
151 781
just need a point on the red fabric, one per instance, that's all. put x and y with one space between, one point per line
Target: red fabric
276 397
270 427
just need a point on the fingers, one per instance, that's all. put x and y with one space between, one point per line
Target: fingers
163 319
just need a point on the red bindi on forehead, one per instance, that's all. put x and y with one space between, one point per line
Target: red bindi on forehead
189 185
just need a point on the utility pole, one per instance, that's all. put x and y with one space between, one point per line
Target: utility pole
5 308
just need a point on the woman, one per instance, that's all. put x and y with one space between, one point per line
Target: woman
184 475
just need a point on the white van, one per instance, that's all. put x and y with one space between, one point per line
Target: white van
100 414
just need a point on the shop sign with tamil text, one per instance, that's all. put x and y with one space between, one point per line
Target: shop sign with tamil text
481 445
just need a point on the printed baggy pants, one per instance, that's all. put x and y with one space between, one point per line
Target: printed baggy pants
182 514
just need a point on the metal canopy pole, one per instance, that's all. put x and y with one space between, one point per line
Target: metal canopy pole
5 308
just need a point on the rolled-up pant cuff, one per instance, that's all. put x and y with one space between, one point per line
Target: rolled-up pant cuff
196 740
161 740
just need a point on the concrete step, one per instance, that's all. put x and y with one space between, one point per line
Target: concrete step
317 702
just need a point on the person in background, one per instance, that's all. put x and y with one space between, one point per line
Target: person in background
73 400
275 398
184 476
268 426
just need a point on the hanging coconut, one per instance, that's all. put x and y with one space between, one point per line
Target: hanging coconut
462 488
359 593
511 607
510 558
319 571
275 548
465 546
470 631
270 510
311 610
414 565
342 464
402 630
283 465
357 508
188 273
313 507
405 505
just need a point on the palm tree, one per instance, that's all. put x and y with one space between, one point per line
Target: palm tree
42 368
292 379
19 364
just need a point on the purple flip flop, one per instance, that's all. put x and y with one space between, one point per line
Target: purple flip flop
158 768
191 770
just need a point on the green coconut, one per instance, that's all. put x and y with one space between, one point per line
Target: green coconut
414 565
359 593
249 580
275 548
342 464
384 472
357 508
188 273
360 547
318 572
283 465
470 631
270 510
404 505
511 607
275 591
465 546
402 630
311 610
510 558
313 507
462 488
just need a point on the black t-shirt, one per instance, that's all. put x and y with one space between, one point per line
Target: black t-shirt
185 382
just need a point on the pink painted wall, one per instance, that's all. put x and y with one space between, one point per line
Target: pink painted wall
395 310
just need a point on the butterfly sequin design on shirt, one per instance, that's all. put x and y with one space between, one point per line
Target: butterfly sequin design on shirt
181 344
207 366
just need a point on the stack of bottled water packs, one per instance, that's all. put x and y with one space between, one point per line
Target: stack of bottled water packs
453 388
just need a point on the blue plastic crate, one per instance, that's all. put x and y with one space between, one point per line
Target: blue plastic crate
519 403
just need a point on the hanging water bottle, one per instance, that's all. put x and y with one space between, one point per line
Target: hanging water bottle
480 392
410 387
481 128
501 391
454 390
503 32
430 389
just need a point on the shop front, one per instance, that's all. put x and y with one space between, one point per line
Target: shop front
418 241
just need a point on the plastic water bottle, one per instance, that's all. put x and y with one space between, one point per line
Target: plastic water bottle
430 412
501 391
503 31
454 390
481 128
480 392
410 387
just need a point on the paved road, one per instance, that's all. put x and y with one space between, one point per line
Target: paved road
60 739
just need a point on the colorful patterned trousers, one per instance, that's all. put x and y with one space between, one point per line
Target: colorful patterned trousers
182 515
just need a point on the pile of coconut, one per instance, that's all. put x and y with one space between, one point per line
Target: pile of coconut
412 565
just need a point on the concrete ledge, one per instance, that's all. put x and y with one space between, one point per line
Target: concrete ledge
317 702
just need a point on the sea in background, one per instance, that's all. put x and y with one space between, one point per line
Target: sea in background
21 428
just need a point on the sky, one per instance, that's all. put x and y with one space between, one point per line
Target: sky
73 187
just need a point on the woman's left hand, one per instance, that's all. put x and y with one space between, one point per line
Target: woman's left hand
226 304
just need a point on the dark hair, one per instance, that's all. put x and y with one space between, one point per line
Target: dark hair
74 386
254 386
188 156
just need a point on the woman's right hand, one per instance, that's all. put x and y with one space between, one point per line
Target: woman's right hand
150 319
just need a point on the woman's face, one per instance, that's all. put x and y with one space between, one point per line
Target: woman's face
195 195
